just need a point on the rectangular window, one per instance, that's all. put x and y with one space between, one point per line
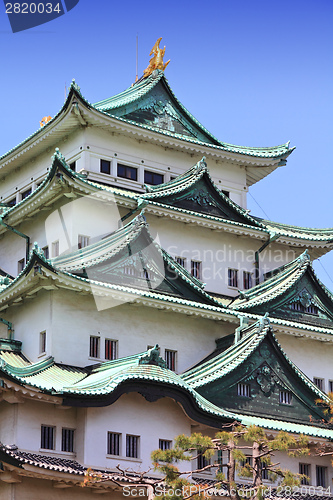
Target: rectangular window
55 248
72 166
83 241
67 440
264 472
165 444
321 476
319 382
105 167
42 342
330 386
233 277
244 390
26 193
46 252
226 193
247 280
47 437
170 358
196 268
113 443
20 265
94 347
285 397
127 172
202 462
153 178
132 446
111 349
12 202
305 470
181 261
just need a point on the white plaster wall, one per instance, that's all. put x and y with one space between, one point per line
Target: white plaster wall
313 357
8 422
163 419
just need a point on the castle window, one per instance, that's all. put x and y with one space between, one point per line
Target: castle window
319 382
233 278
67 440
94 347
129 270
153 178
12 202
113 443
330 386
244 390
132 446
196 268
47 437
127 172
321 476
42 342
105 167
20 265
72 166
247 280
202 461
226 193
83 241
55 248
305 469
181 261
311 309
165 444
26 193
170 358
111 348
285 397
46 252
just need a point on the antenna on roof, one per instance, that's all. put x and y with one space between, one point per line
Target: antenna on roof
137 43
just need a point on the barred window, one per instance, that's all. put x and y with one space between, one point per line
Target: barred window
330 386
55 248
202 461
321 476
113 443
165 444
319 382
132 446
46 252
94 347
247 280
170 358
196 268
233 278
181 261
311 309
42 342
105 167
285 397
305 469
243 390
129 270
111 348
67 440
83 241
47 437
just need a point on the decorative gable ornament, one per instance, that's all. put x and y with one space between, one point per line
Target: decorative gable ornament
152 357
156 62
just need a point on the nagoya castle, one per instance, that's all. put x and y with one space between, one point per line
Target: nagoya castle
141 300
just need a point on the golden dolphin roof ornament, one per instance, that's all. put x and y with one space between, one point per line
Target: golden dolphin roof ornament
45 120
156 62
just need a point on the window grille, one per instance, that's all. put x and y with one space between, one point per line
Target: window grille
42 342
305 470
46 252
285 397
321 475
111 348
129 270
330 386
132 446
233 278
105 167
311 309
83 241
67 440
153 178
165 444
202 461
247 280
94 347
243 390
196 268
127 172
319 382
114 443
170 358
181 261
47 437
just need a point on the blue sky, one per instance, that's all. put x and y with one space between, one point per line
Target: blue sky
255 73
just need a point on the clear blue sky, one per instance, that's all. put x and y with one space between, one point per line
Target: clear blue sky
255 73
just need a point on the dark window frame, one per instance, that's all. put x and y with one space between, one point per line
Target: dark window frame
105 166
153 178
130 173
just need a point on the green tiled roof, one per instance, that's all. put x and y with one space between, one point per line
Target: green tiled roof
304 233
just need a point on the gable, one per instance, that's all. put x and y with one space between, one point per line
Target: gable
269 377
